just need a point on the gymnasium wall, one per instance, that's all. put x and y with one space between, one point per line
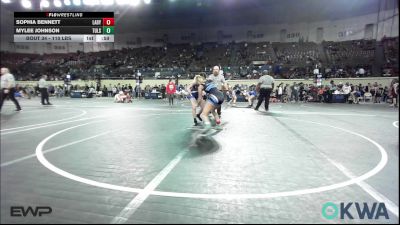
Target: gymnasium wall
385 81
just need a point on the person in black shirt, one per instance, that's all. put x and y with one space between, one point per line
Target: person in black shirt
104 91
379 93
195 97
385 94
163 90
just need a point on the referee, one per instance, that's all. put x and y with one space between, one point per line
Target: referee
8 88
265 86
44 94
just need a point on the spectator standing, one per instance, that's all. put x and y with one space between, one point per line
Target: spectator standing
171 89
163 90
295 92
394 92
114 91
110 91
385 93
280 92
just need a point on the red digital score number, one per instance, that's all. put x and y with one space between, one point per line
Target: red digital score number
108 21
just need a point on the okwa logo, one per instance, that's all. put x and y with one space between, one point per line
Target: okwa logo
364 210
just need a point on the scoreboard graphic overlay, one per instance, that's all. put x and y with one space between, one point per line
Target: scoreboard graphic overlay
63 26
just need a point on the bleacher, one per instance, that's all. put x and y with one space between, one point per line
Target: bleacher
297 54
296 59
391 54
350 52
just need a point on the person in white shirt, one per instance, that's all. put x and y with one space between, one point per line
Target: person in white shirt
114 91
316 71
280 92
110 90
218 79
7 85
264 87
361 72
232 91
346 90
44 94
